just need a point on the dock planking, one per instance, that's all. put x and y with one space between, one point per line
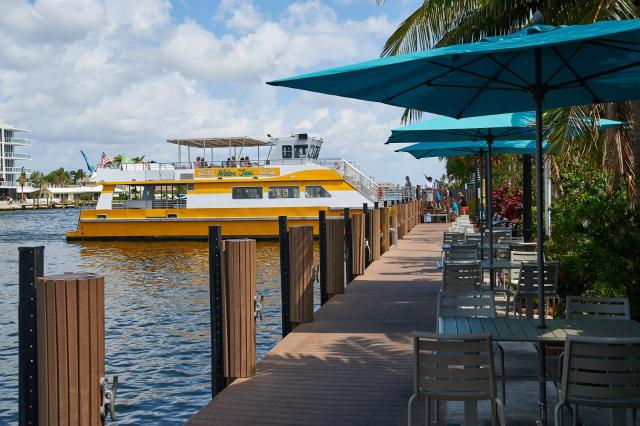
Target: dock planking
353 364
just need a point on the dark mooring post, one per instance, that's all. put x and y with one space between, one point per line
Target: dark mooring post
218 380
285 284
348 245
322 225
527 216
367 236
30 266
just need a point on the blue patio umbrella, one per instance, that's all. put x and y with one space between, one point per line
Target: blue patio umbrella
450 149
509 127
541 66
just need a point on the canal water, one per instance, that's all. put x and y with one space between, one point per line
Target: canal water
157 313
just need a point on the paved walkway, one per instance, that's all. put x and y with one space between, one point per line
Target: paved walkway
353 364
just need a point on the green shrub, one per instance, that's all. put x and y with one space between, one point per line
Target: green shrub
596 239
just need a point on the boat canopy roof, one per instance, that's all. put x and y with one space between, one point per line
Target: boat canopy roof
223 142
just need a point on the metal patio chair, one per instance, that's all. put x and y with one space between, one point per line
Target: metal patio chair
599 372
454 368
598 307
474 304
461 276
461 252
527 286
453 237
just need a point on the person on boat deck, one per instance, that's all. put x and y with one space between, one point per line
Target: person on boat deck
196 165
233 161
247 162
227 163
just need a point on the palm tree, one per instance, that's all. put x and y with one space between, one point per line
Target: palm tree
138 159
39 182
22 180
438 23
77 175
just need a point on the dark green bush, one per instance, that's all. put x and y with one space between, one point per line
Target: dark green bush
596 238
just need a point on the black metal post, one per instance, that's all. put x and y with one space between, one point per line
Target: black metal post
30 266
367 237
385 203
376 205
527 213
218 381
492 277
538 93
418 193
284 275
322 235
348 245
483 213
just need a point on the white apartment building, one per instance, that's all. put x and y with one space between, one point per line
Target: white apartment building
10 159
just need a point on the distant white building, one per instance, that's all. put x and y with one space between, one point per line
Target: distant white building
9 157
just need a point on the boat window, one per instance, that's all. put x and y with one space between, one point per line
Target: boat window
316 191
300 151
246 192
286 151
313 151
284 192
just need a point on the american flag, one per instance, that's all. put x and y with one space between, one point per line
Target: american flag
105 160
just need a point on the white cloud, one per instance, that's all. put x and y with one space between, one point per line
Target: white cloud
124 76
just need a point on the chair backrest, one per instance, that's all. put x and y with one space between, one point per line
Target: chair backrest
461 276
510 240
468 304
528 279
461 252
520 256
454 366
598 307
528 247
498 233
601 372
474 238
453 237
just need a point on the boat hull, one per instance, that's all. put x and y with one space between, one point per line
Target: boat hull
191 223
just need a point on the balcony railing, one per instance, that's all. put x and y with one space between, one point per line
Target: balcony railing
17 156
18 141
17 170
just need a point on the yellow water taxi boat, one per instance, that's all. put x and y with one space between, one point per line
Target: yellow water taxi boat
181 200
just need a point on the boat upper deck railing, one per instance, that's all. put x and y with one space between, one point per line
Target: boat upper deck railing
328 162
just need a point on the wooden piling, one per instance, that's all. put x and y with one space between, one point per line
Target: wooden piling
335 257
384 229
239 292
71 342
374 232
301 274
357 242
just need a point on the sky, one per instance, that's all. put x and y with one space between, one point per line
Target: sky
123 76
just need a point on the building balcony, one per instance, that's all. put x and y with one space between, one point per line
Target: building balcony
18 141
17 156
17 170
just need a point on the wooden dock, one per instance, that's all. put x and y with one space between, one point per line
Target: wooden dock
353 364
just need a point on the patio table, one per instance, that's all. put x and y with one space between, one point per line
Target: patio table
497 246
525 330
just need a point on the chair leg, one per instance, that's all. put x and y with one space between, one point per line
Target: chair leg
501 417
494 409
504 375
428 412
574 414
409 409
558 414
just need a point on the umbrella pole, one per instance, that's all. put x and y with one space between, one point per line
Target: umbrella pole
481 210
538 94
492 277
